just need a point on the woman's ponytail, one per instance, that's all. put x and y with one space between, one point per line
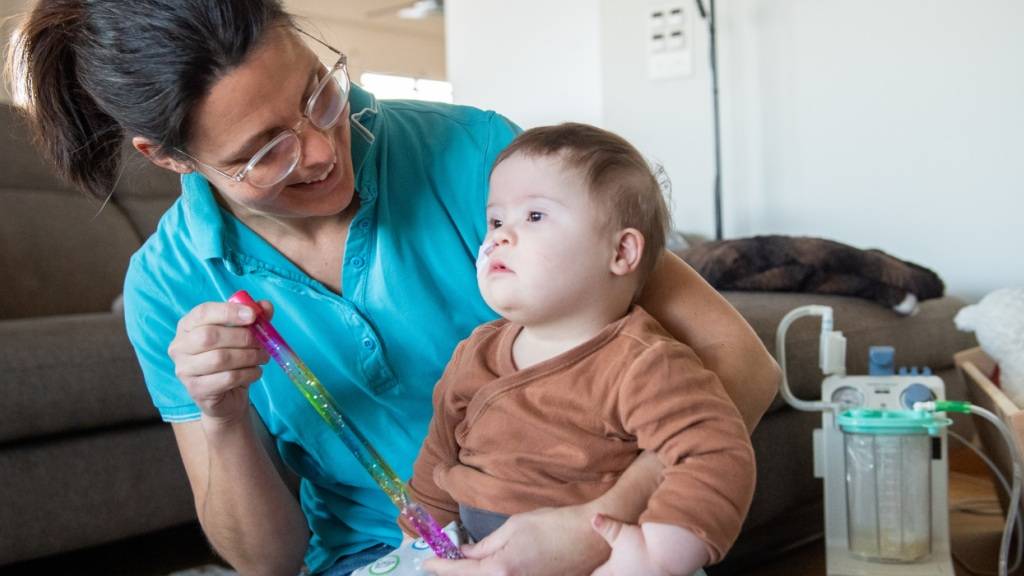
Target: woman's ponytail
82 141
95 72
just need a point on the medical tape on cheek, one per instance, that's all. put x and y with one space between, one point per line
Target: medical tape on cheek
483 256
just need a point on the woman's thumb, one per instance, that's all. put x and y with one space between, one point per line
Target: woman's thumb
608 528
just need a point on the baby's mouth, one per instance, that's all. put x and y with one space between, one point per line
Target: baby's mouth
497 266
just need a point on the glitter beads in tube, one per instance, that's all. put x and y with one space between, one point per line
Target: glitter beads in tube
328 409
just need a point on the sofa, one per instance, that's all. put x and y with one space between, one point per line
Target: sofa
85 460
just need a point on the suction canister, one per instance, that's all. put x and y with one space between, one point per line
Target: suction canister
888 482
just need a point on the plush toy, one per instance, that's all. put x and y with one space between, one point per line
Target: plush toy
998 322
816 265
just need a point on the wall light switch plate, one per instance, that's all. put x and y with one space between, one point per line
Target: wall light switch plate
669 40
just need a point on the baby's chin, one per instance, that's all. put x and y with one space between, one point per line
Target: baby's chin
510 311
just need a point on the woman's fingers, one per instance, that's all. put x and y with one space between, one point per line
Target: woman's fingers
217 313
217 357
221 360
213 386
211 337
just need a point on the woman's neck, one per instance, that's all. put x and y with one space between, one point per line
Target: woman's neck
315 244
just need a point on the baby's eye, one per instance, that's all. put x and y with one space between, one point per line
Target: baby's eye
493 223
535 217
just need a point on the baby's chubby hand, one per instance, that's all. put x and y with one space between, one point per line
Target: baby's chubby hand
645 551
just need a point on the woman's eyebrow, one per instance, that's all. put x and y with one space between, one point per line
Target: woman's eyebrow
268 133
252 141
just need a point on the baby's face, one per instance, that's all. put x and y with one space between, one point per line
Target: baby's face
548 251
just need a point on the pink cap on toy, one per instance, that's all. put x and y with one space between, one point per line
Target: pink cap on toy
242 297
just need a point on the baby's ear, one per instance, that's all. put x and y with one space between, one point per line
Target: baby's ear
629 247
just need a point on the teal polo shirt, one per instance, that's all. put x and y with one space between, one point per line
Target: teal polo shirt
409 296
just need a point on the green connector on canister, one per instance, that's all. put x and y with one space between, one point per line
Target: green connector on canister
952 406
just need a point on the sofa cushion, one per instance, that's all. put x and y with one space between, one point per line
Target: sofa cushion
927 338
67 374
81 490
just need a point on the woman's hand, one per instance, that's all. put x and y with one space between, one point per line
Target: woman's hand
216 357
548 541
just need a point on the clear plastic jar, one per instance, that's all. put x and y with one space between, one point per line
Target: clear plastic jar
888 482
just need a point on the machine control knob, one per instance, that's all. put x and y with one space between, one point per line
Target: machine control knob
915 393
848 396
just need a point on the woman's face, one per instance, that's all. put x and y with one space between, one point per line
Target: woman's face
251 105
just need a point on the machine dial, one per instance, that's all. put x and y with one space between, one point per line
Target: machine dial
915 393
848 397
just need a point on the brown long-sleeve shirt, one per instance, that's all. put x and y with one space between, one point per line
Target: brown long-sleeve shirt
561 432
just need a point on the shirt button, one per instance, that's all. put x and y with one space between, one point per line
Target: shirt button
364 224
356 262
368 343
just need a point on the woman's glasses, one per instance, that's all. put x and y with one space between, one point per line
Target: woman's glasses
278 158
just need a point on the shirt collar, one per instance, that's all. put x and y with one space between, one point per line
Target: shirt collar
203 214
364 124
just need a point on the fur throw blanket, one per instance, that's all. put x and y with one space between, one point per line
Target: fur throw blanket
801 264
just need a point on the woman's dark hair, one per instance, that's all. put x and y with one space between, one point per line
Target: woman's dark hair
98 71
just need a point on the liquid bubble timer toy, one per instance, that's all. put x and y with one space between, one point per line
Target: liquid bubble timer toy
328 409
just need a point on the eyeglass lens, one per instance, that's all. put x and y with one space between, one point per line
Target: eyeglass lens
281 156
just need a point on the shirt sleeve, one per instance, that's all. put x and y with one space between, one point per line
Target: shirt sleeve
680 410
439 449
151 320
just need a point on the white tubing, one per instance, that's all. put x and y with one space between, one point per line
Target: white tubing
1006 488
1012 509
780 355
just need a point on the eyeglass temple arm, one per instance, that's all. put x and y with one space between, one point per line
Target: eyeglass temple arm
319 41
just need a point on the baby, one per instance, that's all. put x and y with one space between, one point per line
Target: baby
549 405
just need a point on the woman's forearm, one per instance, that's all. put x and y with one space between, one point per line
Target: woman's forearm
628 498
692 311
245 508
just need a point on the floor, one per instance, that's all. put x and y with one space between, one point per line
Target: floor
975 540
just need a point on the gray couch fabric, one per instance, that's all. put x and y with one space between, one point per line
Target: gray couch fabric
85 460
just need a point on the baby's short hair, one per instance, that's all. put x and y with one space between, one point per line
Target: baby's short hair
615 173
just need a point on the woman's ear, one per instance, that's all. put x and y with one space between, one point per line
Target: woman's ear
629 247
150 150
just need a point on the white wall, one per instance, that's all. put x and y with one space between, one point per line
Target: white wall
895 124
535 61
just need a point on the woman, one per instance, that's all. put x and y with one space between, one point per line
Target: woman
359 220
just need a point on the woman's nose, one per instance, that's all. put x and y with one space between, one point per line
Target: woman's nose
317 147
